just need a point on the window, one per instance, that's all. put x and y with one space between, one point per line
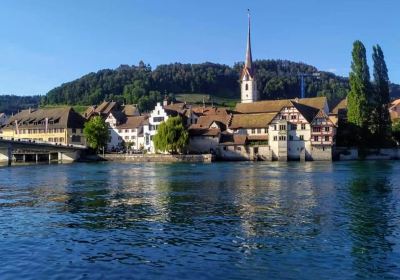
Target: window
283 117
126 130
303 126
74 130
326 128
290 137
247 86
119 130
294 126
253 131
301 137
293 117
126 137
158 119
316 129
259 131
282 138
275 138
316 138
265 131
62 139
274 126
282 127
238 148
76 138
326 138
132 137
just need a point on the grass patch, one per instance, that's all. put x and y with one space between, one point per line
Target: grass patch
197 98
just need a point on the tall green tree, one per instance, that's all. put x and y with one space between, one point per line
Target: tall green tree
96 133
381 123
360 88
171 136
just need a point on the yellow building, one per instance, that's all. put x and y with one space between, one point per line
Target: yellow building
57 125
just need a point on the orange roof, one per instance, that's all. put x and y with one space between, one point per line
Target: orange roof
206 121
233 139
133 122
204 131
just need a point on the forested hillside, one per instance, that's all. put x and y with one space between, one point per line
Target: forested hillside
141 85
12 103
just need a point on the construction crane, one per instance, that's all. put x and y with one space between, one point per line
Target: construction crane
302 82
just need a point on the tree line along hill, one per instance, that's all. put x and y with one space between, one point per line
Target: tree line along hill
139 84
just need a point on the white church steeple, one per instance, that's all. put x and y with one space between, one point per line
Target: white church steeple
248 85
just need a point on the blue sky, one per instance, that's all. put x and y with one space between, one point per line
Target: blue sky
44 43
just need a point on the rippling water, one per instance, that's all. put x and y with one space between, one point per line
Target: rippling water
201 221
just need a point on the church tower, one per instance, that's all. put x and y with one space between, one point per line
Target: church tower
248 84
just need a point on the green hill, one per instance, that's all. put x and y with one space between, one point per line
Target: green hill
144 86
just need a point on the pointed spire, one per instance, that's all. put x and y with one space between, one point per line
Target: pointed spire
249 60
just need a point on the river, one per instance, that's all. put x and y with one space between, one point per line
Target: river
312 220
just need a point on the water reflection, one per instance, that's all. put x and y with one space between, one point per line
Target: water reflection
371 209
201 221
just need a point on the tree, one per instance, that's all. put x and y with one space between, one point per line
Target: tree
381 123
171 136
96 133
358 102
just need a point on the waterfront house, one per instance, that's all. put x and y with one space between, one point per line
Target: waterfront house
280 130
56 125
161 113
130 132
205 134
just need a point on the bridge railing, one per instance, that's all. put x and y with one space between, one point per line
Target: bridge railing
31 141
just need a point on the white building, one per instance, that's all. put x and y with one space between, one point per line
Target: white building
157 116
130 132
125 132
280 130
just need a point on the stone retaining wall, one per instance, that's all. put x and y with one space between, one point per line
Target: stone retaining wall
158 158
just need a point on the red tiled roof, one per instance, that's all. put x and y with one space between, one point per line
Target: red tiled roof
133 122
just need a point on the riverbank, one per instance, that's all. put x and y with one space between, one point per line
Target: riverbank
157 158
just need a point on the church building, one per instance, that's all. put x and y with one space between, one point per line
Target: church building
248 83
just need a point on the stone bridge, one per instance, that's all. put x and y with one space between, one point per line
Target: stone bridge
21 150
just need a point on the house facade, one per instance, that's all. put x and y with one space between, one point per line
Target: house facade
58 125
156 117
